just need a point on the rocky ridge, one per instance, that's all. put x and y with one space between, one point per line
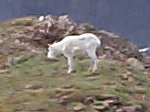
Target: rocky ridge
31 34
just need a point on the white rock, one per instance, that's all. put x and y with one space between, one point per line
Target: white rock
1 41
79 107
41 18
135 64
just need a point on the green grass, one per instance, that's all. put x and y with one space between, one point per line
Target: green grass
48 76
19 22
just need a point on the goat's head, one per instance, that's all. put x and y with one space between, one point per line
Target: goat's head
51 52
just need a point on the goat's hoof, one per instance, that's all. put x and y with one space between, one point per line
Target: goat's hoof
95 73
69 72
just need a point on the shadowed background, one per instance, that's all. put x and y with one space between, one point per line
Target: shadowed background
127 18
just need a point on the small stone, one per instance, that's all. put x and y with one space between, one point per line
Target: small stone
124 77
120 110
62 102
64 99
130 79
28 86
89 100
135 64
67 87
111 102
42 110
79 107
11 61
9 76
4 71
105 97
99 108
129 73
17 41
146 73
1 41
133 108
92 78
138 83
34 87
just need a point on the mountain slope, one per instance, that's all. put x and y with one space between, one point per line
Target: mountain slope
30 82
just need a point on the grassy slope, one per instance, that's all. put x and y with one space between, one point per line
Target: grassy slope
36 84
49 83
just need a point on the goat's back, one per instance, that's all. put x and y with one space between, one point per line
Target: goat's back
86 37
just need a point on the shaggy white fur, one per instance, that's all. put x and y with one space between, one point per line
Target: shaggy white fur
86 42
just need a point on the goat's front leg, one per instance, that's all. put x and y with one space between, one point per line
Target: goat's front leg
70 61
70 64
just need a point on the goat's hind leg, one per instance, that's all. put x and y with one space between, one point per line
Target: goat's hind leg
70 65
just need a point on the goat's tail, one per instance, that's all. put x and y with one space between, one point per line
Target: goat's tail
98 40
98 46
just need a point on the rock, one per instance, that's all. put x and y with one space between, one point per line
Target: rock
109 33
28 86
49 29
135 64
92 78
23 111
68 87
133 108
120 110
64 99
146 73
106 97
11 61
122 48
89 100
42 110
111 102
127 77
17 41
106 102
146 61
34 87
4 71
41 18
79 107
1 41
124 77
62 102
100 108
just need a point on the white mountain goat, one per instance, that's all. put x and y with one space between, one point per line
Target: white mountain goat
87 42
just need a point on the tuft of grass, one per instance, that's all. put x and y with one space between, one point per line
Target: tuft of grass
24 21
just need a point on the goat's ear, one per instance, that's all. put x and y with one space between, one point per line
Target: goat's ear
55 42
